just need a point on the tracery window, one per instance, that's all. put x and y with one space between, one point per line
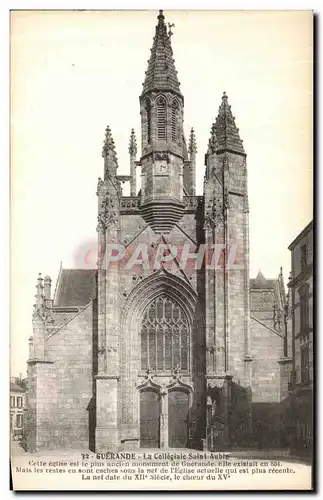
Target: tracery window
164 337
161 118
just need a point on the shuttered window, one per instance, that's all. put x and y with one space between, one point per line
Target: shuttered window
148 111
161 119
174 121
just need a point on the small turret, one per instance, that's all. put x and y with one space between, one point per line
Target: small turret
47 293
39 293
110 156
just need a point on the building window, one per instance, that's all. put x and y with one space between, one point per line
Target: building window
148 112
161 119
12 402
19 421
303 257
305 360
175 110
164 337
19 402
304 310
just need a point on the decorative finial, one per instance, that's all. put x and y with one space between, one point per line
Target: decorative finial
192 142
213 142
108 145
133 143
224 96
161 17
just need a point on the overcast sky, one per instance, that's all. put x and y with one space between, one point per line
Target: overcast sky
73 73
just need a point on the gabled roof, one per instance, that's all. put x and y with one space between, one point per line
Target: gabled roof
76 287
161 73
260 283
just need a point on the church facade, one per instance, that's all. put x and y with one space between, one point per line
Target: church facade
163 345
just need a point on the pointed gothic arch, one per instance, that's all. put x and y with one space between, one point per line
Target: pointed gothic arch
161 284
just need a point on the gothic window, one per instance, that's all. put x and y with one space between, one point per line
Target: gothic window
161 119
164 337
304 309
148 112
305 360
175 110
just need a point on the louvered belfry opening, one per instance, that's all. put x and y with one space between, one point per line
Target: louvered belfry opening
148 112
161 119
174 120
164 337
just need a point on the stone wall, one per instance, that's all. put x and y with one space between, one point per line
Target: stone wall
61 389
267 349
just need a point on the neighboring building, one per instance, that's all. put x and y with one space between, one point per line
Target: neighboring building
17 406
168 355
299 410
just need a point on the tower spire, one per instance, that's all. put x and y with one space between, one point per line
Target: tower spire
226 131
161 73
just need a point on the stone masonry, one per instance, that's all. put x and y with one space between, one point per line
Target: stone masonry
160 355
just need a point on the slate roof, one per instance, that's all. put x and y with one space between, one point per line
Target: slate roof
15 387
76 287
161 73
226 133
261 283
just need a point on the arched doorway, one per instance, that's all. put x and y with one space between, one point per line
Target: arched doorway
149 419
178 407
156 351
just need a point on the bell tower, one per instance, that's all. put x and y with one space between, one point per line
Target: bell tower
162 156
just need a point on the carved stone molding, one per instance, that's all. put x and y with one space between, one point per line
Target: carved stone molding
107 214
216 210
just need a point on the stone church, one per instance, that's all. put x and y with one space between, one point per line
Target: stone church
166 356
